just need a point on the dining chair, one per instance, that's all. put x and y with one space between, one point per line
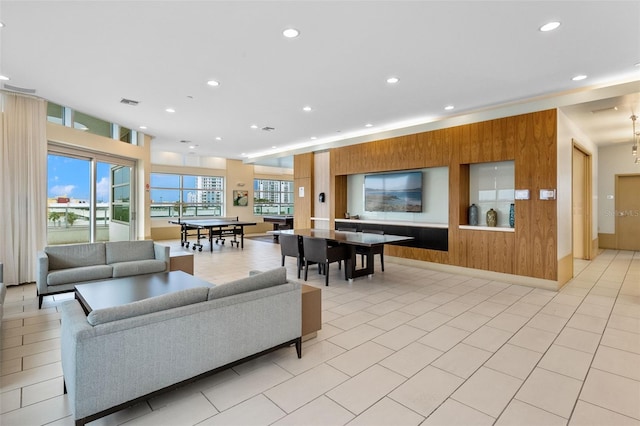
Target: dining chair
290 246
363 251
318 250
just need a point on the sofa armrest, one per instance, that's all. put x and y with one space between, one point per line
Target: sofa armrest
162 253
42 270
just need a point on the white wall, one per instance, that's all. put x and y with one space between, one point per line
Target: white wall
612 160
568 132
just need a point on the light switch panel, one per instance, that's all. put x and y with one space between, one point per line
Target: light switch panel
547 194
521 194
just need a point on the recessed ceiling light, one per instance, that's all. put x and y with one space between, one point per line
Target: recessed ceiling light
549 26
170 110
579 77
1 24
393 80
274 147
143 127
192 147
368 125
313 138
218 138
254 126
4 78
449 107
307 108
291 33
213 83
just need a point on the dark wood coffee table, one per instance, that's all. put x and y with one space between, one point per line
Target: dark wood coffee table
120 291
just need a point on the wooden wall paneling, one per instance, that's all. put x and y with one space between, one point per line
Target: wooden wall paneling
535 165
528 139
303 165
303 176
501 252
338 199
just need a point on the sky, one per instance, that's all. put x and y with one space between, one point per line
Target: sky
69 177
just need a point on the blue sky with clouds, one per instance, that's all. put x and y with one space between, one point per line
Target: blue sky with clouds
70 177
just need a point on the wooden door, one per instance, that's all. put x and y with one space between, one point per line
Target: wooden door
581 203
628 212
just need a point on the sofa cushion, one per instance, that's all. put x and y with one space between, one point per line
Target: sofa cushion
137 267
79 274
75 255
147 306
258 281
124 251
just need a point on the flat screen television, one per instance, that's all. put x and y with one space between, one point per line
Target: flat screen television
393 192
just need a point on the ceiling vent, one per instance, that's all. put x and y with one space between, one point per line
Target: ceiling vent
268 129
18 89
185 141
129 102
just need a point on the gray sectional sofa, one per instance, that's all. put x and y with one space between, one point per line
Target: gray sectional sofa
59 268
116 357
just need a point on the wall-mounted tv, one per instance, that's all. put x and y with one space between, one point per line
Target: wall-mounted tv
393 192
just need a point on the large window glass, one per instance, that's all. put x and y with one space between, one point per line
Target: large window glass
82 209
272 197
186 195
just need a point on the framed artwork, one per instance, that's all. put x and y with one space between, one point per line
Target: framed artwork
240 198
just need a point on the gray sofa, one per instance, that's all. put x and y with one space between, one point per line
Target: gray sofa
60 267
116 357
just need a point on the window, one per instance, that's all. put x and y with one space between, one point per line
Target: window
120 194
272 197
55 113
63 115
186 195
91 124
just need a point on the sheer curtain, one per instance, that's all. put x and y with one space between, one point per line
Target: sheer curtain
23 189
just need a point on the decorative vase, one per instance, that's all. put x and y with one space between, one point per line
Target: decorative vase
473 215
512 215
492 217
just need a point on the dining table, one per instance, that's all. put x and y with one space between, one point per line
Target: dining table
352 240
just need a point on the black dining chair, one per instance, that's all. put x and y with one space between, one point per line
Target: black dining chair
290 245
372 251
318 250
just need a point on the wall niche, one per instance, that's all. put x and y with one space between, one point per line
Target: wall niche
491 186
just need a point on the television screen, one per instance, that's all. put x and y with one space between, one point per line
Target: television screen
393 192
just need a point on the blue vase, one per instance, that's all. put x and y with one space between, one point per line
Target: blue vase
512 215
473 215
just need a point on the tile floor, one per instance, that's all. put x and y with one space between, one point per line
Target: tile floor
408 346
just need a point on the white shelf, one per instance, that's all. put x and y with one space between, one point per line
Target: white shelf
487 228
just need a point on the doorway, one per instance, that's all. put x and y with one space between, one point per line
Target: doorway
628 212
89 198
581 202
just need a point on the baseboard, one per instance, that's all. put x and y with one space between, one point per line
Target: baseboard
479 273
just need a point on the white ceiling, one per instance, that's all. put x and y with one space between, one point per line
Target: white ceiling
475 55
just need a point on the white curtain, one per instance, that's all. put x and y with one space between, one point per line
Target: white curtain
23 189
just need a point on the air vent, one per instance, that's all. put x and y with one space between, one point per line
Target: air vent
129 102
268 129
609 109
18 89
185 141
